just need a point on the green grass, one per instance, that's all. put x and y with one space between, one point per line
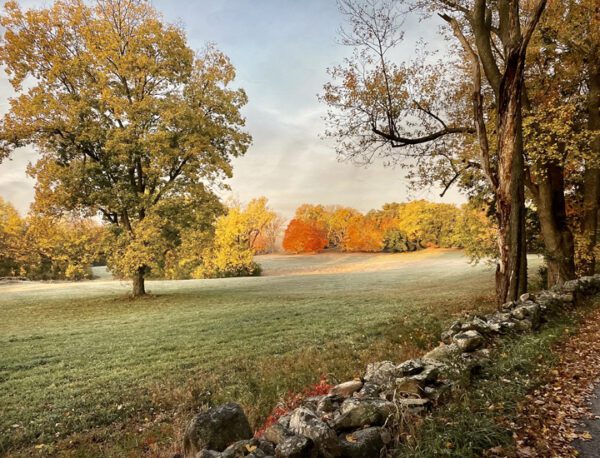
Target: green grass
86 371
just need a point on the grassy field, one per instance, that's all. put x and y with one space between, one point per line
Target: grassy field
85 371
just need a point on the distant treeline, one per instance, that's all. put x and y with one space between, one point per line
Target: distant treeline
48 248
396 227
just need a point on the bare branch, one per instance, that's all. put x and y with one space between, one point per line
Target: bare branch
477 99
399 142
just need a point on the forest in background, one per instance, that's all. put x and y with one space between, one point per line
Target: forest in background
46 247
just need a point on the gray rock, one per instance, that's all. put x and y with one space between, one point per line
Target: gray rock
446 336
442 353
249 448
525 297
524 325
216 429
364 443
548 300
295 447
312 402
571 286
305 423
508 306
476 324
325 405
208 454
566 298
455 327
284 420
381 373
499 317
369 390
276 433
429 374
267 447
346 389
410 367
409 386
468 341
356 413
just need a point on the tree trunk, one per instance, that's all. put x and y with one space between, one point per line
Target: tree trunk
591 179
139 288
549 197
511 272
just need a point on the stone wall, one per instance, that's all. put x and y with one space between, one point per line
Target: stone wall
359 418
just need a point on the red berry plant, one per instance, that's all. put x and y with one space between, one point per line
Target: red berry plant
293 400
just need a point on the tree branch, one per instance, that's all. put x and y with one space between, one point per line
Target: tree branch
477 99
539 10
400 142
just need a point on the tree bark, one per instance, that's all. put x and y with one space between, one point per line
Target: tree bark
591 179
549 196
139 288
511 272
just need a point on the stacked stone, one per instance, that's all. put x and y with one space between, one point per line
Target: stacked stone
357 418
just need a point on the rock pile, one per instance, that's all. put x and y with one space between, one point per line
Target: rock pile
357 418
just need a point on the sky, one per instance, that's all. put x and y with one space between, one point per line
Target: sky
281 50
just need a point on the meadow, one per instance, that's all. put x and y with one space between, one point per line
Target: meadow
87 371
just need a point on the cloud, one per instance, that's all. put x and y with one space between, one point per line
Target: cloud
281 50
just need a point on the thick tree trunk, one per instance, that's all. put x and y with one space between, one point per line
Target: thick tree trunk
139 288
591 179
549 196
511 273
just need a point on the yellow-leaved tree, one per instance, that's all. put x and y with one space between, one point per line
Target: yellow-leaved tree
63 248
12 231
129 121
234 246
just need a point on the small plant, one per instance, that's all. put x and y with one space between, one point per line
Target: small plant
293 400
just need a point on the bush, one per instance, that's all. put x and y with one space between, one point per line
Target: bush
396 241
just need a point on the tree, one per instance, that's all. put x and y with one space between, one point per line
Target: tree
427 223
362 234
395 241
267 241
231 253
62 248
237 238
12 246
476 233
126 117
577 49
378 108
342 220
304 237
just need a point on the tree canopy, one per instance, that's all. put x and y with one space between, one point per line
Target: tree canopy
129 121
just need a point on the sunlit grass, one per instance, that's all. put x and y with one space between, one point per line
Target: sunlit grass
94 367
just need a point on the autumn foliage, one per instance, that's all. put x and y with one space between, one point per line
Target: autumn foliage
395 227
304 237
293 400
363 234
43 247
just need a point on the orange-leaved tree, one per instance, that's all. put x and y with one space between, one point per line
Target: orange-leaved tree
363 234
303 237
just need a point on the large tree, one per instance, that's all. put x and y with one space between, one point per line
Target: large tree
126 117
379 108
